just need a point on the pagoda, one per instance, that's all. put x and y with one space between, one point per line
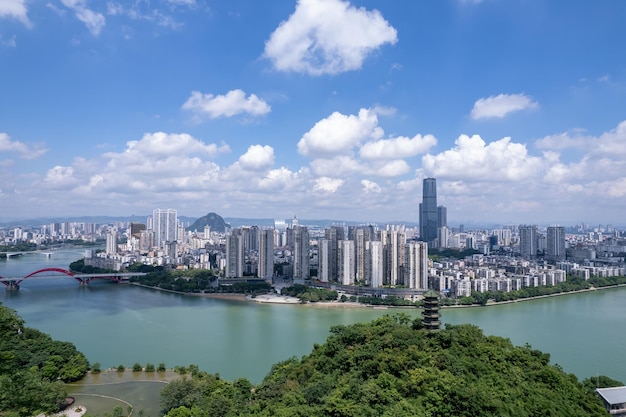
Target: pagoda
431 311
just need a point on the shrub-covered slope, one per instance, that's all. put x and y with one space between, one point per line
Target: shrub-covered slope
32 366
392 367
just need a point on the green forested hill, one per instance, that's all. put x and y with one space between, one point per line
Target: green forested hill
32 368
392 367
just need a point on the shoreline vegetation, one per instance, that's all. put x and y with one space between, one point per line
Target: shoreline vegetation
272 298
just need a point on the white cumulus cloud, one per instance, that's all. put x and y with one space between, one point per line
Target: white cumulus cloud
370 186
501 105
339 133
257 157
327 37
15 9
400 147
232 103
474 159
328 184
611 143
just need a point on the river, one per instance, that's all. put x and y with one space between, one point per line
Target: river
117 324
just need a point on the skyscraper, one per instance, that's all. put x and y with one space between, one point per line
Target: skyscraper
428 212
165 226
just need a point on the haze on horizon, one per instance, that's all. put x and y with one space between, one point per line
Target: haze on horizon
326 109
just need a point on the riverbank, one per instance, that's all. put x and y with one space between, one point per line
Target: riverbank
281 299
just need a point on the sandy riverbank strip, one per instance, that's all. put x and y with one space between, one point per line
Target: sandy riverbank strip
281 299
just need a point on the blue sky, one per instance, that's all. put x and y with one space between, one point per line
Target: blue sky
325 109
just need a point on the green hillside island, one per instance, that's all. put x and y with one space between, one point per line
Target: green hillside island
33 368
394 367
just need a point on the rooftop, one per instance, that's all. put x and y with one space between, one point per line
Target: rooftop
614 395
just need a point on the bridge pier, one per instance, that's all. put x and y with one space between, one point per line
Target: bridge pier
13 286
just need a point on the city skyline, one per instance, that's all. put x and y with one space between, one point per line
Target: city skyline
325 108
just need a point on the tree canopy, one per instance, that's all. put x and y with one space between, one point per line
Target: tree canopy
393 367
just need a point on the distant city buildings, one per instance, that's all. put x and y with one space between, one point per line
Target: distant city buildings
362 259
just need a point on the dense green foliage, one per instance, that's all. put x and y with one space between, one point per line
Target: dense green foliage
309 294
198 281
79 266
32 366
388 301
392 367
437 254
607 281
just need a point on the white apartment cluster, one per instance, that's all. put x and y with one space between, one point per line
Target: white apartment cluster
161 241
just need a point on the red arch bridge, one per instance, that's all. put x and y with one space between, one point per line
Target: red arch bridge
13 283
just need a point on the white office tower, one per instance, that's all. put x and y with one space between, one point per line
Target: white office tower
266 253
165 226
301 252
416 266
111 243
207 232
377 265
347 262
555 243
234 254
323 256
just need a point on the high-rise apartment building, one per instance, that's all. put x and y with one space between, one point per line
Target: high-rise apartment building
334 234
393 240
416 265
376 270
234 254
165 226
323 260
429 214
266 253
528 240
347 262
111 242
555 243
301 252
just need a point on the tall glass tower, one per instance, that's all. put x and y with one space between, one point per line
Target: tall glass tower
429 216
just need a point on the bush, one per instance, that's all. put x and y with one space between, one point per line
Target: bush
95 368
137 367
